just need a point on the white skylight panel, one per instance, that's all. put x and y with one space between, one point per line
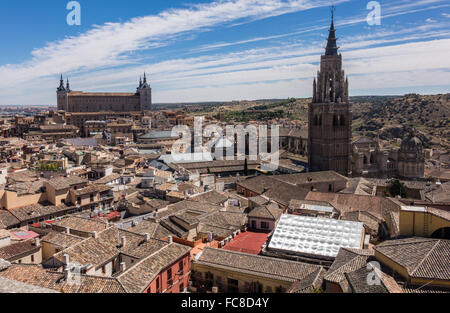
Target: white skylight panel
317 236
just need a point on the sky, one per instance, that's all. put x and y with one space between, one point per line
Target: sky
195 51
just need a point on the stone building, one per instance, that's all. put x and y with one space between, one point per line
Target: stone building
78 101
369 159
411 158
330 145
330 114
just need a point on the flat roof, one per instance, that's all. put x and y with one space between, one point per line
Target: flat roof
315 207
413 208
186 157
315 236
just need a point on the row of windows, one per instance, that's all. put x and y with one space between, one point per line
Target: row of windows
338 120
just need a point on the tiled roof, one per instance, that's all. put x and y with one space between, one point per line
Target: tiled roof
368 219
221 218
15 250
36 210
155 230
94 284
270 211
210 197
7 219
421 257
81 224
181 206
25 188
284 193
66 182
89 251
107 179
310 283
61 239
358 281
37 276
91 189
257 265
33 275
347 260
12 286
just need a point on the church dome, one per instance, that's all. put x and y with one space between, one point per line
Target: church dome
411 144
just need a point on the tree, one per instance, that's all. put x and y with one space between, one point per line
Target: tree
397 188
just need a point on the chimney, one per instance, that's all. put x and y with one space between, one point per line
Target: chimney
147 237
68 230
37 242
123 267
67 274
95 235
170 239
123 241
66 259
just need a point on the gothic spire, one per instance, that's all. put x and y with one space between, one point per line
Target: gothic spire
61 84
68 85
332 48
145 78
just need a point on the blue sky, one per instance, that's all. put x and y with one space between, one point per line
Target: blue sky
219 50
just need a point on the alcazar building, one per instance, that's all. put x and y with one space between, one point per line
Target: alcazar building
78 101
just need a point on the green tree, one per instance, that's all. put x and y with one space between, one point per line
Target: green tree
397 188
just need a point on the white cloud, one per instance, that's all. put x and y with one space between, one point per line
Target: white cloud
100 58
108 45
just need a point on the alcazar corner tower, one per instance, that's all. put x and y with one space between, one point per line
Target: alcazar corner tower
330 114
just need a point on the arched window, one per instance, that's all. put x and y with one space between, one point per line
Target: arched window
335 120
342 120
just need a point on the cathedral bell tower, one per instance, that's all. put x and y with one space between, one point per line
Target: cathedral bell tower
330 114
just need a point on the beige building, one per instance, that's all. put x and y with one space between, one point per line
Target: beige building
235 272
26 252
78 101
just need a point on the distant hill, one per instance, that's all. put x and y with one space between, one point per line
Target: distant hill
429 115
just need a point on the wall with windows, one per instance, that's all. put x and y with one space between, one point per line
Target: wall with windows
229 281
172 279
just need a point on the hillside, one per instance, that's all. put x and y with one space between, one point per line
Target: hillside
389 117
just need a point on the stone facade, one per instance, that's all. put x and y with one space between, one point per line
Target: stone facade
78 101
369 159
330 115
411 158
